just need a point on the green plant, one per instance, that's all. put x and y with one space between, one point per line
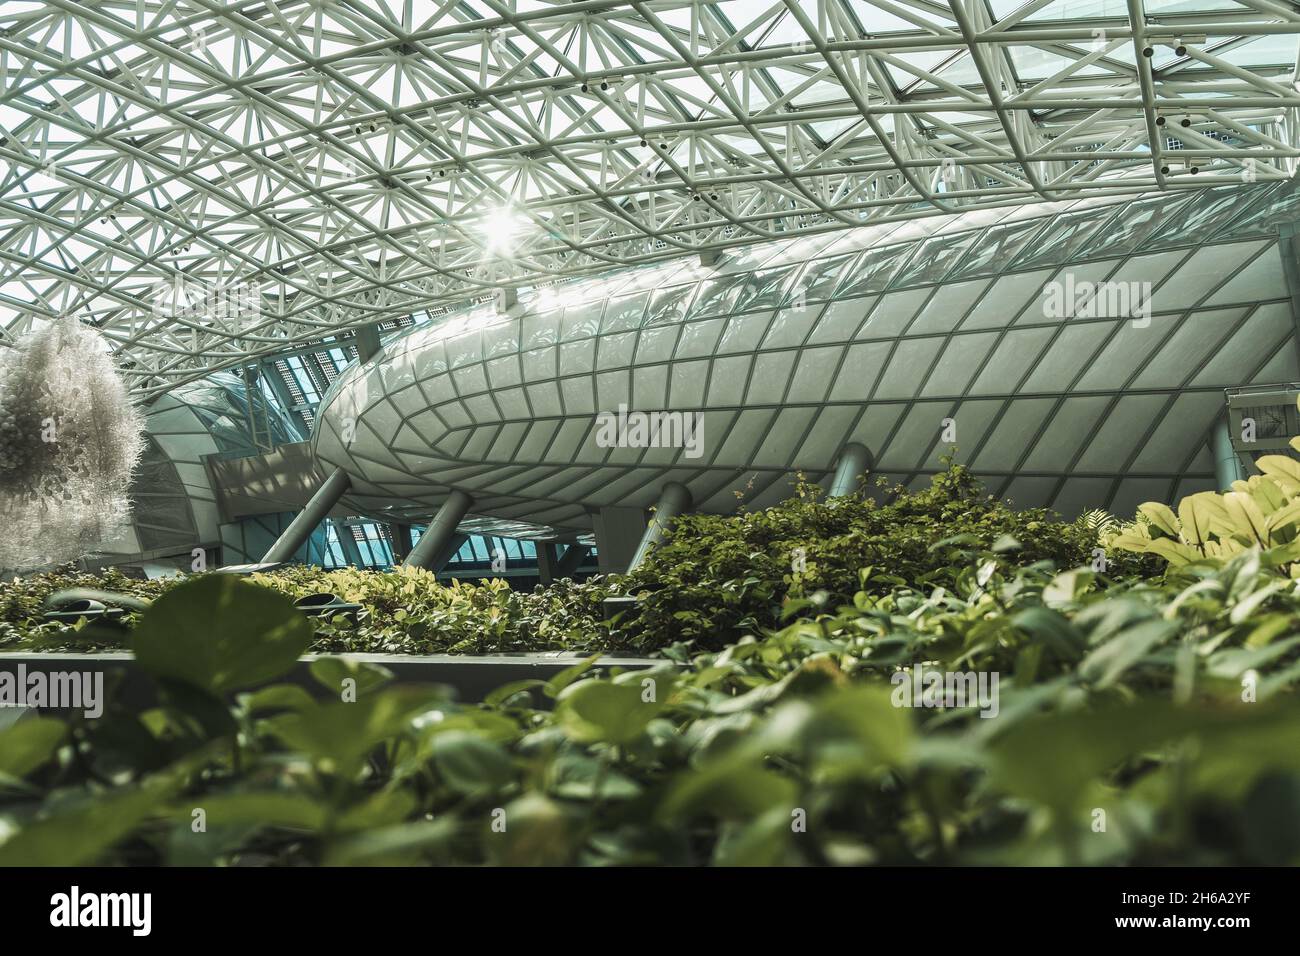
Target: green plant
1097 522
1261 512
1124 699
716 579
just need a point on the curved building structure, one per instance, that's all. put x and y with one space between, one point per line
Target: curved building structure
176 503
1076 354
732 242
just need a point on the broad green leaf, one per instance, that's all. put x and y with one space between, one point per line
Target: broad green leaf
1175 552
734 785
470 764
341 734
388 806
880 730
220 634
77 834
402 844
498 697
1053 759
600 710
331 672
567 676
277 697
1133 542
1285 516
28 744
759 842
531 830
257 808
1107 663
580 777
1285 471
1053 628
1194 520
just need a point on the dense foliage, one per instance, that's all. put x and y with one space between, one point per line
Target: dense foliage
1136 722
718 577
714 581
402 611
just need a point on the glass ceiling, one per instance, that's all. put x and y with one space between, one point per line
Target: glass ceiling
212 184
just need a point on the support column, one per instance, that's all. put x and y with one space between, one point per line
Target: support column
400 534
673 501
367 342
854 463
1286 247
617 530
573 557
546 561
1227 465
431 552
312 514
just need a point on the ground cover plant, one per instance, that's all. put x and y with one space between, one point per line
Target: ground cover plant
717 580
719 577
1108 708
1138 722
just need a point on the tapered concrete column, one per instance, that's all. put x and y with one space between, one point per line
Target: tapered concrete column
572 559
400 532
441 532
618 531
367 342
443 558
546 561
312 514
854 462
1227 466
673 500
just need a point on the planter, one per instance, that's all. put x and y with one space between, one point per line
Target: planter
471 677
325 604
91 610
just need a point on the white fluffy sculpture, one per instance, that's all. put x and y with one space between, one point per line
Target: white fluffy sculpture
69 441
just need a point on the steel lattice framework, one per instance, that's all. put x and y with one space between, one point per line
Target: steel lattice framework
210 182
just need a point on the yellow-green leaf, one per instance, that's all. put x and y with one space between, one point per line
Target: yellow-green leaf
1192 518
1246 517
1285 471
1287 515
1162 516
1175 552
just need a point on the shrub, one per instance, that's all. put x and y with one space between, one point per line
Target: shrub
719 577
22 606
715 579
1131 704
407 611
